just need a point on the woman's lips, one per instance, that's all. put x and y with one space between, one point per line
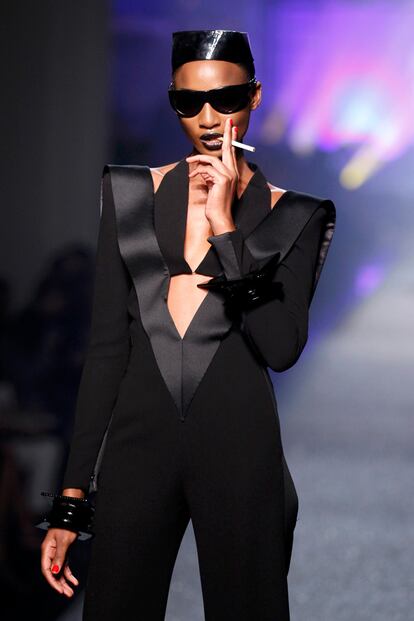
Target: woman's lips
211 143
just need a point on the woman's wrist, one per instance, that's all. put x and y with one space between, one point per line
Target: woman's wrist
246 291
228 248
222 226
74 492
75 513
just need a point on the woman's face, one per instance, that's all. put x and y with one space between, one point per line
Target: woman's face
205 75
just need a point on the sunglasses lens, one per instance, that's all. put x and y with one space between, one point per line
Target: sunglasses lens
230 99
225 100
185 103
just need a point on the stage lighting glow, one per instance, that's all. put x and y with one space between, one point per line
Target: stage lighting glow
344 77
368 278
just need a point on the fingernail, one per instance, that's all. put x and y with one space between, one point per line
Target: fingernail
231 122
55 569
236 129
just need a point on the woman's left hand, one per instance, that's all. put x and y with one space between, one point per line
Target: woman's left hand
221 177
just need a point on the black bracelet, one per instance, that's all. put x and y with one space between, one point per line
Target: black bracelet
255 288
70 513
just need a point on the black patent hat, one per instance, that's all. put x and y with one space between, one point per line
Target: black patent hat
230 45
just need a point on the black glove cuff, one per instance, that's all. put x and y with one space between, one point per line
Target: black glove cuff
75 514
255 288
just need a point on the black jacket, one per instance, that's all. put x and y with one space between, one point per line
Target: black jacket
137 360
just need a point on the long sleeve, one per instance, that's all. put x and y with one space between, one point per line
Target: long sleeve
277 330
108 348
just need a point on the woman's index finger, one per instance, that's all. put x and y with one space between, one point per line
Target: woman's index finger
46 564
227 154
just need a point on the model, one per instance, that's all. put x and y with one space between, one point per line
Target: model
205 273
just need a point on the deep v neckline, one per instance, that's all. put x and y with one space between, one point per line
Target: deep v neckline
183 362
170 219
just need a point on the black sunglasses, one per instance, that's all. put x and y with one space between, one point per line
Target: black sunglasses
226 100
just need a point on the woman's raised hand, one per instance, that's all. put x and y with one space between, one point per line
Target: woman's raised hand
54 550
221 177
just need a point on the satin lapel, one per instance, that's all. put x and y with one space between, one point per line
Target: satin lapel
182 362
170 215
133 197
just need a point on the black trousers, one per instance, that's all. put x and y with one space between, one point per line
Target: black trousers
223 470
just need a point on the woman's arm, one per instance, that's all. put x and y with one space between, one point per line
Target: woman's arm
277 329
108 349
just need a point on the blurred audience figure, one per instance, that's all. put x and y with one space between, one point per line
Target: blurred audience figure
42 349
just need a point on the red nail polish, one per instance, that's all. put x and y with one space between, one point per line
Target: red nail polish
55 569
231 122
236 129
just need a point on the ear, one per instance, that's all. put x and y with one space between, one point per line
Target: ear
256 97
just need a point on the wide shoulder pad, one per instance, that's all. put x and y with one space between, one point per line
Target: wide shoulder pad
281 228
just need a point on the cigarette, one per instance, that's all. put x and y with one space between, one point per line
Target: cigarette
241 145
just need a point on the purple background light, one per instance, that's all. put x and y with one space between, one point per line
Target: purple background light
368 279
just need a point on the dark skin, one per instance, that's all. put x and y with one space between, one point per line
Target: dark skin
214 179
225 171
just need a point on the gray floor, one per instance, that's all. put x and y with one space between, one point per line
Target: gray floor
352 458
348 435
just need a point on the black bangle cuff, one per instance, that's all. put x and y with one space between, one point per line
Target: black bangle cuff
75 514
255 288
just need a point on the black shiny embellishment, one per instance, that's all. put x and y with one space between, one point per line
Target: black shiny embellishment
70 513
255 288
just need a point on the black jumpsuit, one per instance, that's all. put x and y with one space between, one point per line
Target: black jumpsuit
188 427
